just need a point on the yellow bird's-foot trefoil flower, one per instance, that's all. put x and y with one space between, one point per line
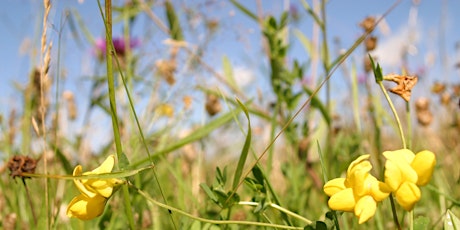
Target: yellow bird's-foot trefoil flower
94 192
405 172
359 192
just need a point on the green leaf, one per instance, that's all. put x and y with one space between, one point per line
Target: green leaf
244 151
377 70
451 222
228 72
208 192
312 13
244 9
221 177
421 223
173 20
317 225
306 43
258 174
123 161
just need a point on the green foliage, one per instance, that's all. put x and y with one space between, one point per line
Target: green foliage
451 222
244 151
173 21
377 70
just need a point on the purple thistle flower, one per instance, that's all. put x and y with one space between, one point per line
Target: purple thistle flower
118 44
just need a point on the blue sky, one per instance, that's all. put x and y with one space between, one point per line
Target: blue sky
435 34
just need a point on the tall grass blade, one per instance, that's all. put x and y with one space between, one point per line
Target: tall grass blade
451 222
244 151
173 20
244 10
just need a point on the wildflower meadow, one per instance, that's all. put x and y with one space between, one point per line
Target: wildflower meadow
231 114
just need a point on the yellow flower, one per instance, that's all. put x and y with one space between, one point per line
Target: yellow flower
94 192
405 171
359 192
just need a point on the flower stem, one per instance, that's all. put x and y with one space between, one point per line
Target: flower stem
401 133
113 105
393 210
217 222
281 209
387 97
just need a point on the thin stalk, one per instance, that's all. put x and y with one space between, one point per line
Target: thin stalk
217 222
390 103
29 199
45 61
411 219
387 97
131 104
113 105
393 210
279 208
409 125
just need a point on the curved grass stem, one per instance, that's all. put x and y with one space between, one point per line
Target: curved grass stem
217 222
390 103
281 209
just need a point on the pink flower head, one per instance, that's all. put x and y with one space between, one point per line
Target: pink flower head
118 44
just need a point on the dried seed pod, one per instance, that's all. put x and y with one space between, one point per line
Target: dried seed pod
370 43
19 164
422 104
166 69
71 105
445 98
456 90
187 100
368 24
213 105
424 115
438 88
405 85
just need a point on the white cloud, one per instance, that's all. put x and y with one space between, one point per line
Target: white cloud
243 76
390 50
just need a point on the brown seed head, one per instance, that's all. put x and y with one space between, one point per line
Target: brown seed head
213 105
438 88
368 24
370 43
19 164
405 85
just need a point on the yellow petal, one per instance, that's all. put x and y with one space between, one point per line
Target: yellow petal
365 208
360 163
398 170
407 195
85 190
85 208
104 187
342 201
380 190
358 181
334 186
105 167
400 155
423 164
393 177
